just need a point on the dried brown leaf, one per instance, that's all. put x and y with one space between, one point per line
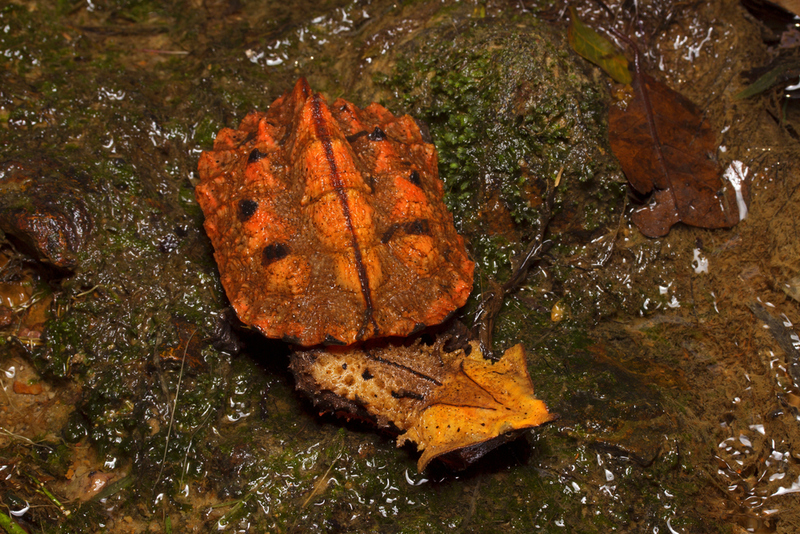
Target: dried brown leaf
666 147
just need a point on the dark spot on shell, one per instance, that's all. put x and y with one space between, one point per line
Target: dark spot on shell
273 253
366 375
407 395
352 138
330 340
418 227
415 179
387 235
247 208
377 135
256 155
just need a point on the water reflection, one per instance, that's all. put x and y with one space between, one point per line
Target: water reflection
317 32
109 94
411 482
756 465
22 511
10 371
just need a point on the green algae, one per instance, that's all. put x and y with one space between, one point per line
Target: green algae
501 118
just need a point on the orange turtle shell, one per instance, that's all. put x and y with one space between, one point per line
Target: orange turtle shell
328 223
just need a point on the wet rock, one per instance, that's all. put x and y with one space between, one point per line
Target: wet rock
42 211
518 111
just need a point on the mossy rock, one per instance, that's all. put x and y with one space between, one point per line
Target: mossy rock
510 107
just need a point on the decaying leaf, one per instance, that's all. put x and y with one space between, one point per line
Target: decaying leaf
766 81
456 405
784 71
789 5
665 146
21 388
594 47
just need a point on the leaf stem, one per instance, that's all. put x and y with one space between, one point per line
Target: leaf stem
10 525
640 86
492 300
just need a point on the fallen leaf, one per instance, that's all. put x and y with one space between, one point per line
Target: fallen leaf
789 5
665 147
455 404
594 47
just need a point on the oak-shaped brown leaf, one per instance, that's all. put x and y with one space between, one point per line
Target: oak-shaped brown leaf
457 404
665 146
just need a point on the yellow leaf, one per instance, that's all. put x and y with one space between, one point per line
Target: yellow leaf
478 402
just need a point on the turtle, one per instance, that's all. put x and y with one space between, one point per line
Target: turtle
330 232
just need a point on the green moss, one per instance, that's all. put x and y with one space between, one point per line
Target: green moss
508 110
206 131
58 458
76 428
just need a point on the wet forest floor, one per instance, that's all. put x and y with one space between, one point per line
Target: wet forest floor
133 401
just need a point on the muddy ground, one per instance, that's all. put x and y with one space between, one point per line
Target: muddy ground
133 401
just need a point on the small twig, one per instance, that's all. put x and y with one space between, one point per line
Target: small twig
492 299
185 465
472 505
226 504
167 52
10 525
33 299
174 407
23 438
29 341
8 399
50 496
322 483
222 521
84 293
